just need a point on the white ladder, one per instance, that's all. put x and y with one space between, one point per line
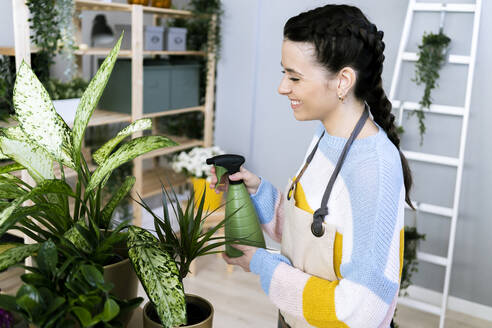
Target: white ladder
463 112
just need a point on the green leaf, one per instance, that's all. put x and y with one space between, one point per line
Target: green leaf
77 239
47 258
11 191
29 299
159 275
7 302
128 152
110 311
92 275
37 161
139 125
38 118
108 210
7 220
84 316
11 168
90 98
13 256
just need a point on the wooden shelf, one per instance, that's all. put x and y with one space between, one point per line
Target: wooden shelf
152 180
175 112
10 51
184 143
128 53
98 5
101 52
101 117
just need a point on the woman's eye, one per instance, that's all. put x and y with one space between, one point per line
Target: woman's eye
291 78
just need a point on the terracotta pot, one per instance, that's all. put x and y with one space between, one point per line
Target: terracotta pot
161 3
212 200
198 309
139 2
125 281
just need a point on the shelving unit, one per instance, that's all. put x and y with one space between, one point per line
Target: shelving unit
145 185
147 181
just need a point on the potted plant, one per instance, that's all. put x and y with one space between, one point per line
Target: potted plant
41 139
193 164
65 289
162 262
431 57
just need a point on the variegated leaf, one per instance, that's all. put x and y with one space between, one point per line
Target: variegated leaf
108 210
11 168
139 125
128 152
77 239
90 98
159 275
45 187
14 255
38 118
33 157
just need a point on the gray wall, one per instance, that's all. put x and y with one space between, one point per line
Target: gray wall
254 120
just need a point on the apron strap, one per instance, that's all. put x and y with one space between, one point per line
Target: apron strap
319 215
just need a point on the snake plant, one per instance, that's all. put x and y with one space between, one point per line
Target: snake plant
40 140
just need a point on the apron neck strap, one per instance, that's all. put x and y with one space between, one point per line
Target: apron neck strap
319 215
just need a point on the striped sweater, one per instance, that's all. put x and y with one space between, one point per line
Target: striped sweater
366 206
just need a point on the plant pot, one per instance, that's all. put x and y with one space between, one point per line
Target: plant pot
124 279
161 3
66 108
212 200
200 313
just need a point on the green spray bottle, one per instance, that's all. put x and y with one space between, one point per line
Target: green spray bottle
242 222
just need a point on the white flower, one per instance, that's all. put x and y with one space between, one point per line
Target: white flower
194 161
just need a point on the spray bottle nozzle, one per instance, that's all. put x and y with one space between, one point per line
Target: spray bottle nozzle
227 163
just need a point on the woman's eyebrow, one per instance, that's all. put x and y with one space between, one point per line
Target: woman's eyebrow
290 70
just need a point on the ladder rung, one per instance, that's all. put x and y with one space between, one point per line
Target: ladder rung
452 59
432 209
450 7
435 109
422 306
428 158
439 260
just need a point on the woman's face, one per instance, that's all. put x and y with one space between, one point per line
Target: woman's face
307 84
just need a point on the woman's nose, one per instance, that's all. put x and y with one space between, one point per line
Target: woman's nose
283 88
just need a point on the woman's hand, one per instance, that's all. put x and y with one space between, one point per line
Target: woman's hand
242 261
251 180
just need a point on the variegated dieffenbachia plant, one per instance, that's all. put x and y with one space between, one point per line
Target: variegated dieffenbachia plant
40 140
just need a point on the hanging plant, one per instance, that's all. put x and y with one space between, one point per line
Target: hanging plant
432 54
44 24
412 240
66 11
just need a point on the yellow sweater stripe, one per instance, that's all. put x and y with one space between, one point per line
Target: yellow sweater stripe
318 303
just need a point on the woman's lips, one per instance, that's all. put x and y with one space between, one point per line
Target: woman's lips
295 103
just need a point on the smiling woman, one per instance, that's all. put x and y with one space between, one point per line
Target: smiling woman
340 218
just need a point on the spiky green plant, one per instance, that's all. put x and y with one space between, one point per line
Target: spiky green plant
41 139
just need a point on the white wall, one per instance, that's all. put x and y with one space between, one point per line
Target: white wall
252 119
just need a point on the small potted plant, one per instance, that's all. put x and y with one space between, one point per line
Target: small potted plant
80 214
193 164
162 262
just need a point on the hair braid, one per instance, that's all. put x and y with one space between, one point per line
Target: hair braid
343 36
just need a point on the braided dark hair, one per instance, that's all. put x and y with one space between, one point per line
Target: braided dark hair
342 36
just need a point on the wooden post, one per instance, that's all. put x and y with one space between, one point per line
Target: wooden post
137 101
210 91
22 41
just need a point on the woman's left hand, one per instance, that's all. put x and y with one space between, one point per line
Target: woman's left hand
242 261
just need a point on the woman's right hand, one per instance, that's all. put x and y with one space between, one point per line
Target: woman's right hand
251 180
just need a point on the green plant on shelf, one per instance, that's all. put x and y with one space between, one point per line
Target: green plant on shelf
431 57
65 90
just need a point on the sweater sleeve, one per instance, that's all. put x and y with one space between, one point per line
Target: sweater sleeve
268 203
367 293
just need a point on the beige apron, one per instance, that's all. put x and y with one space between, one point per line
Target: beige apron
308 253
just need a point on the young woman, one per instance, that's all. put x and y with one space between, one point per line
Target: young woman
340 219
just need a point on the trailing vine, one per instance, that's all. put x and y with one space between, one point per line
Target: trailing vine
431 58
44 24
66 11
412 240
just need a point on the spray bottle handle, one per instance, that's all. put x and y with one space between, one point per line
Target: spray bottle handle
219 172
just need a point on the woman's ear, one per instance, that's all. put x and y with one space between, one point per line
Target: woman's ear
346 80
